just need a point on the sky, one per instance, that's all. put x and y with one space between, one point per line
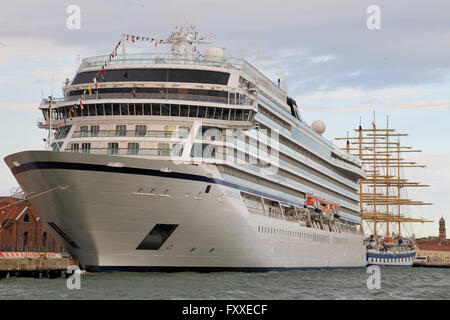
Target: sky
337 68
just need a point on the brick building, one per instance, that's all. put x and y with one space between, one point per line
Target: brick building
22 230
435 248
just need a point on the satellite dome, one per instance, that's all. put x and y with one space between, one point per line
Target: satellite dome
215 52
318 126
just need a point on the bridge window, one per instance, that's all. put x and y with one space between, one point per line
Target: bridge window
184 111
193 111
108 109
165 109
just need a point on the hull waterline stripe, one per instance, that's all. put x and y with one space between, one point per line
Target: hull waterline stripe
91 268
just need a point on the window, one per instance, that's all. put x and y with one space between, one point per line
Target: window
63 132
56 146
116 109
201 112
165 110
84 131
225 114
92 111
100 110
157 75
193 111
26 218
121 130
74 147
163 149
113 148
44 241
147 109
124 109
25 241
177 150
133 148
156 109
141 130
184 111
175 110
94 131
85 147
138 107
218 114
108 109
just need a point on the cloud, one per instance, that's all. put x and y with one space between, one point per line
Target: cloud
18 106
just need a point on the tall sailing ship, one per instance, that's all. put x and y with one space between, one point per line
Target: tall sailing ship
383 194
189 161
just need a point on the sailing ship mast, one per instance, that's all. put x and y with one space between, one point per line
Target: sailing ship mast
381 196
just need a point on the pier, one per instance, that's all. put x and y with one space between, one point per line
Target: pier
34 264
431 264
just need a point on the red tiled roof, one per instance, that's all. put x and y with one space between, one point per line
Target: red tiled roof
11 212
433 247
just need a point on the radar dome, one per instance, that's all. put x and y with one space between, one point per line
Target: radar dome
215 52
318 126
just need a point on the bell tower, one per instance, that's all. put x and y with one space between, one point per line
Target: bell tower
442 233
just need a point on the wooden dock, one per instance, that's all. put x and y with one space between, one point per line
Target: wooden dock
431 264
40 266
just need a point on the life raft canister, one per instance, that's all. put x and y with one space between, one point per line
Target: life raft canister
311 201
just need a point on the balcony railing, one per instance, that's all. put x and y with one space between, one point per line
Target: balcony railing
160 96
153 58
131 133
127 151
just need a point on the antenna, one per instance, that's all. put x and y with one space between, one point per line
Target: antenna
52 83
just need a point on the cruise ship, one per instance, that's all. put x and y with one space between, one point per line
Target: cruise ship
189 161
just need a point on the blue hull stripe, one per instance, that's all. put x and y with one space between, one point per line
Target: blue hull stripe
390 256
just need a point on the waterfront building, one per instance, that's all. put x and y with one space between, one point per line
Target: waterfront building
22 230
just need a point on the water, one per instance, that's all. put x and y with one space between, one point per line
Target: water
396 283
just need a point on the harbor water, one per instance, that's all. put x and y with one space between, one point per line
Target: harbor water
396 283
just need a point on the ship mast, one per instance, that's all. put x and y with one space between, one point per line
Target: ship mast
383 158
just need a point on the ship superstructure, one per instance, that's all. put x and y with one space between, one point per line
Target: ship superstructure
383 193
188 161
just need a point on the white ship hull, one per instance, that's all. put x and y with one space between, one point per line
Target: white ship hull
214 231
